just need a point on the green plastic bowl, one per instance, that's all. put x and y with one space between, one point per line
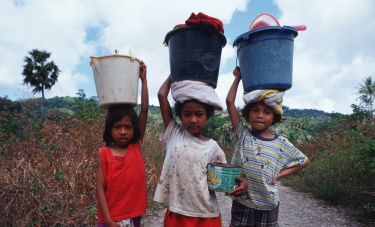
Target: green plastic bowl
222 177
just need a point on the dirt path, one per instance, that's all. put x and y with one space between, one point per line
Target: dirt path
296 209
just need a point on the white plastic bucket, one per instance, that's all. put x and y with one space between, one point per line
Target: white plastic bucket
116 79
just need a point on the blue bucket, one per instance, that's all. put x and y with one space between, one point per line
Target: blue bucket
194 54
265 57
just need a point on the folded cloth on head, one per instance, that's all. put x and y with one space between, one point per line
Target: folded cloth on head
185 90
270 97
205 21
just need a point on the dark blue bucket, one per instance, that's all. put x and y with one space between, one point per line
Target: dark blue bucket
194 54
265 57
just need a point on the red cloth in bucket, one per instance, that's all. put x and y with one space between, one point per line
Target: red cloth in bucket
204 21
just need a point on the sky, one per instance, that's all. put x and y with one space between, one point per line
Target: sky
331 58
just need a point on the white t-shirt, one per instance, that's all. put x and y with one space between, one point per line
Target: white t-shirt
183 180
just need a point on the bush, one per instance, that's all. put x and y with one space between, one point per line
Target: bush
86 108
342 169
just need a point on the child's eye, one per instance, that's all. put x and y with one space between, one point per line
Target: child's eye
199 114
123 126
186 114
268 112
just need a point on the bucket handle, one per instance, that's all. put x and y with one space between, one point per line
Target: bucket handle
92 63
238 51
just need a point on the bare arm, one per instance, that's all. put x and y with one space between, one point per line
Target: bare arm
144 100
101 194
165 108
231 98
289 171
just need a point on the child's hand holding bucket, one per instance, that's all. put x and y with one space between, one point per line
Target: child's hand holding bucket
237 72
241 189
142 70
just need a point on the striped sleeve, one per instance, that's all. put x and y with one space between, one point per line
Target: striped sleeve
236 158
237 135
237 132
296 157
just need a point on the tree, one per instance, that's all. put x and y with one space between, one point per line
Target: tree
367 94
86 108
39 73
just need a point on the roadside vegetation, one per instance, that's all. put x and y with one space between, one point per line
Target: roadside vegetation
48 156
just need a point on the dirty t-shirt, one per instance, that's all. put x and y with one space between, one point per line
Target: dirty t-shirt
183 181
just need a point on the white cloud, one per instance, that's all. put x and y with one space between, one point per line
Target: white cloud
65 85
224 83
333 55
61 27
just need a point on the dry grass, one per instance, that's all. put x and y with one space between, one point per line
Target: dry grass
49 178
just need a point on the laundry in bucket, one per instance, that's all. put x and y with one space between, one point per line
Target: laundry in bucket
203 20
195 49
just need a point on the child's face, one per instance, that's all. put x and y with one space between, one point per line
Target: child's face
122 131
193 118
260 117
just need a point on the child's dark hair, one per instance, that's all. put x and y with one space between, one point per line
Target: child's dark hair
116 113
210 110
245 113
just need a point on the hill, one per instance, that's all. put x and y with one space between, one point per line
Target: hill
61 103
306 113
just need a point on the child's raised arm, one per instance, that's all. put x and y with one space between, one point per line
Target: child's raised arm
231 98
144 100
165 108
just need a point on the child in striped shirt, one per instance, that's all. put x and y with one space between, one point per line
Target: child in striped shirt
265 157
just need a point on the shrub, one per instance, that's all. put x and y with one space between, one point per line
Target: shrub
86 108
342 169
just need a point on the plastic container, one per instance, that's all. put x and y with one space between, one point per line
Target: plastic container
222 177
194 54
116 79
265 57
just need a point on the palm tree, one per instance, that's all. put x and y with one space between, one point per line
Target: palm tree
367 94
39 73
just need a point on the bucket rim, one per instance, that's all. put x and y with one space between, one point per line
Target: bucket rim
224 165
248 33
115 56
179 29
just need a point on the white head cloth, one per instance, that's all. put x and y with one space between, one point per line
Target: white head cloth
185 90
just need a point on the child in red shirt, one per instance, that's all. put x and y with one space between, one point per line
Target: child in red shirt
120 172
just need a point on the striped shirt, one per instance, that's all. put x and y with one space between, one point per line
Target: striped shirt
261 160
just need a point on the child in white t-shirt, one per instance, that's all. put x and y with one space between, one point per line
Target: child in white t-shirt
183 181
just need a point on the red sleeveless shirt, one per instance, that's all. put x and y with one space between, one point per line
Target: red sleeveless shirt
125 183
